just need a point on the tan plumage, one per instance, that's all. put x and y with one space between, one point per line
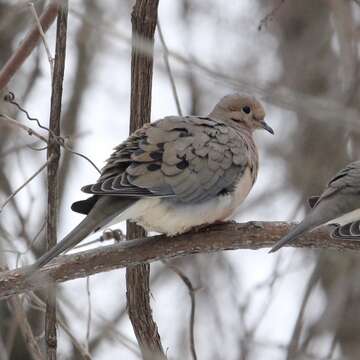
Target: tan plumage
177 172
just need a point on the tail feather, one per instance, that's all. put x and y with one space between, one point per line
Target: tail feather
325 210
105 209
292 235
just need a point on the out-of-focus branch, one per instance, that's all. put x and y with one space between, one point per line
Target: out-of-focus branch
54 152
168 69
26 330
228 236
143 19
28 44
191 290
313 106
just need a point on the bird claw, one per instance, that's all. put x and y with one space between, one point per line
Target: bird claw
115 234
256 224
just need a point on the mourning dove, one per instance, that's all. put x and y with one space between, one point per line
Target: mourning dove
339 204
175 173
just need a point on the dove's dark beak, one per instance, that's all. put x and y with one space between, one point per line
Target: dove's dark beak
265 126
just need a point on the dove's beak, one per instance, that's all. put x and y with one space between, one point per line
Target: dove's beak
265 126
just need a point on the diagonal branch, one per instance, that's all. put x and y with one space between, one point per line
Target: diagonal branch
28 44
228 236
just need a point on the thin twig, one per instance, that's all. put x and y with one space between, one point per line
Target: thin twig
32 177
168 69
295 338
12 122
28 44
40 305
17 148
60 140
26 330
3 351
318 108
192 290
42 35
88 327
268 17
10 98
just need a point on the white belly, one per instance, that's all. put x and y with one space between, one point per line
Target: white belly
346 218
166 216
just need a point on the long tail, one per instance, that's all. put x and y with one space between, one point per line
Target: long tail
298 230
105 209
326 210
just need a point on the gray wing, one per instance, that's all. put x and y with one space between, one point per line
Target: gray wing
346 181
339 197
190 158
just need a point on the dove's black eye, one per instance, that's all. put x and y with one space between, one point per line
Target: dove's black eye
246 109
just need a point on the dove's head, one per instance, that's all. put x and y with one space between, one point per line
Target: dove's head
243 110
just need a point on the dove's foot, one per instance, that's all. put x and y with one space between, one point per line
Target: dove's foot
206 227
115 234
256 224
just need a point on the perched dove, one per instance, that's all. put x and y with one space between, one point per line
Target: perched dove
175 173
339 204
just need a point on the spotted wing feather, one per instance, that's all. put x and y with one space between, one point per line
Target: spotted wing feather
190 158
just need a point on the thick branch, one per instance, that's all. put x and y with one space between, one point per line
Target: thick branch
229 236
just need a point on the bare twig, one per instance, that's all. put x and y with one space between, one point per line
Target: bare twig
40 305
25 327
192 290
216 238
54 151
88 327
319 108
14 123
32 177
270 16
42 35
28 44
168 69
60 140
3 351
295 338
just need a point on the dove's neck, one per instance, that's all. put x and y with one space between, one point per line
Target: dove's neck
246 135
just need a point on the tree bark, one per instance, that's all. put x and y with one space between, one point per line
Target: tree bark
143 18
229 236
53 153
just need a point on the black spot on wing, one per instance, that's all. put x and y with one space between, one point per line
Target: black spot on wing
156 155
153 167
183 164
138 152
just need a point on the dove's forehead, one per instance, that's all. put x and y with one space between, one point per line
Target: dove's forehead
237 102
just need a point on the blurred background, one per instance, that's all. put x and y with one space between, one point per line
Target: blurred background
301 58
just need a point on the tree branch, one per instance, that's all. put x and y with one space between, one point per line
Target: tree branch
143 19
54 153
228 236
28 44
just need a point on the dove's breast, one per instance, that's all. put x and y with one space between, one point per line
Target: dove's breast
171 217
